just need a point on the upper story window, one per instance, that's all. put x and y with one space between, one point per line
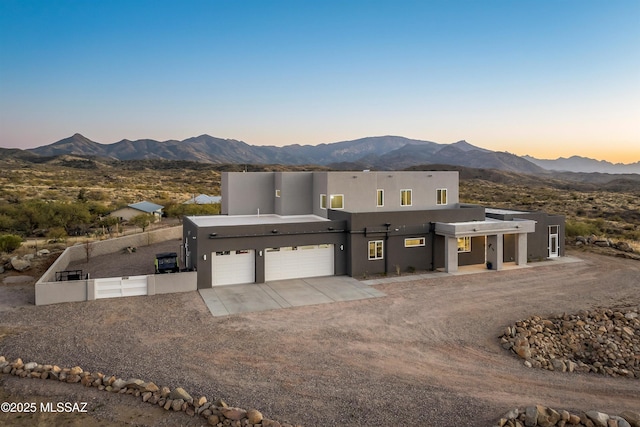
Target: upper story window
441 196
464 244
414 242
323 201
380 198
376 249
405 197
277 193
337 201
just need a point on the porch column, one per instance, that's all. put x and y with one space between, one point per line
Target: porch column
450 254
521 249
495 251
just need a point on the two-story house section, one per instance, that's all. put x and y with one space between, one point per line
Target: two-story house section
281 225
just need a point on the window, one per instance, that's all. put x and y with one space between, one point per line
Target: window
405 197
337 201
375 249
441 196
277 193
464 244
323 201
380 199
414 242
221 253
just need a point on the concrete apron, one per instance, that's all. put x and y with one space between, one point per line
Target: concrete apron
234 299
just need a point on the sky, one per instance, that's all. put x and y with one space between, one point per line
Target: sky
544 78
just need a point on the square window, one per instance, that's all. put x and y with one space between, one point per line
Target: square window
441 196
277 193
405 197
414 242
464 244
380 199
323 201
375 249
337 201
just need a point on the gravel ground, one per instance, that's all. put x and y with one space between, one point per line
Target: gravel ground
427 354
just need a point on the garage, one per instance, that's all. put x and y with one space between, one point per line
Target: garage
294 262
233 267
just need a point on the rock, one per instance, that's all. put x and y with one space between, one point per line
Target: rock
254 416
213 420
233 414
149 387
76 370
20 264
29 366
119 383
180 393
531 416
200 402
43 252
599 419
164 392
176 405
134 383
558 365
146 396
221 403
632 418
621 422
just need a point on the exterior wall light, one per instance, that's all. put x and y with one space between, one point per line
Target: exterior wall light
204 257
212 235
274 231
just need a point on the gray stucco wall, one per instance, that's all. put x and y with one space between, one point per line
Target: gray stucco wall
245 193
295 193
538 242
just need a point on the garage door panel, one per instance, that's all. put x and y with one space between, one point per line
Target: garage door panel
233 267
298 262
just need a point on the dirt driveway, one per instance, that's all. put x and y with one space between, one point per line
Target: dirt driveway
427 354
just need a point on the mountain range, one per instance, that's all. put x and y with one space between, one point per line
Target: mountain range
381 153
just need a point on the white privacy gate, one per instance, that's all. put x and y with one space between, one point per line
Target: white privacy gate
296 262
114 287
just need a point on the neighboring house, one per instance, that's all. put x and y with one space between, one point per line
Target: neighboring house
203 199
134 209
283 225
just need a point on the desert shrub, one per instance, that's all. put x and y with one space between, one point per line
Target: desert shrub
575 228
57 233
9 242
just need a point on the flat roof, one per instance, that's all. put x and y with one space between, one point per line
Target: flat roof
502 211
228 220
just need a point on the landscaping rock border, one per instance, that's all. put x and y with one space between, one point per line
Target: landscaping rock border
543 416
602 340
216 413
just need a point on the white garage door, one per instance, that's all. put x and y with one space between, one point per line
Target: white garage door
298 261
233 267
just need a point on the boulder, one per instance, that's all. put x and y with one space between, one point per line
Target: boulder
632 417
43 252
254 416
233 414
20 264
599 419
180 393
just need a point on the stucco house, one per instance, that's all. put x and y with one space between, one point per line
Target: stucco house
281 225
134 209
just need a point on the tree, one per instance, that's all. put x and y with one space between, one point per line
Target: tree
142 221
9 242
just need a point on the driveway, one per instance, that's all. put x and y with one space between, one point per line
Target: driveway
251 297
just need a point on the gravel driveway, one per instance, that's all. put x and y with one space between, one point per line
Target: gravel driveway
427 354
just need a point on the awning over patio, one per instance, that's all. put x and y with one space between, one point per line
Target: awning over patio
494 230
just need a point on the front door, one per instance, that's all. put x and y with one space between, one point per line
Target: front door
553 241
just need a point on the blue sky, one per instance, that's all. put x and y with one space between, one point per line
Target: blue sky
546 78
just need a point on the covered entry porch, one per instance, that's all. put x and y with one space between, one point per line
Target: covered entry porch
494 231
